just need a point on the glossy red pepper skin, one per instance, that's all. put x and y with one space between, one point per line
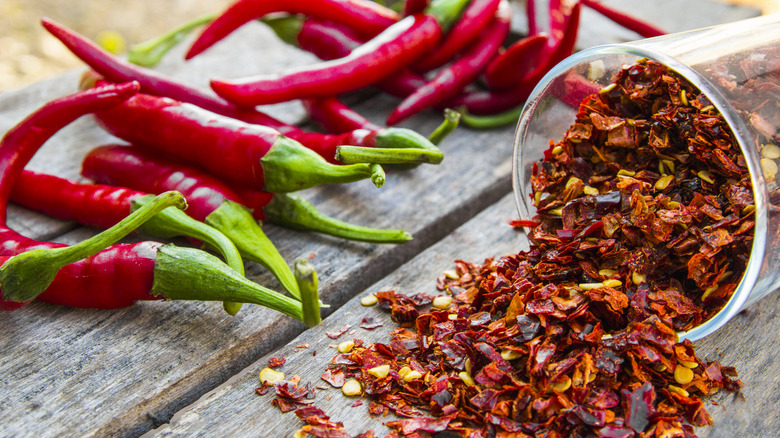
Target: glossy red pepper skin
335 117
641 27
121 272
451 80
486 102
366 18
331 41
474 19
395 48
225 147
95 205
117 70
129 166
412 7
518 63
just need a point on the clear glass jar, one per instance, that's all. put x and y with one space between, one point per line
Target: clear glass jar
724 62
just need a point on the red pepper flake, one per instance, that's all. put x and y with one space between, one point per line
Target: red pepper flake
357 403
336 335
276 362
370 323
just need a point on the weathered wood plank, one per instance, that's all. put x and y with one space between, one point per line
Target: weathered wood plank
136 367
233 409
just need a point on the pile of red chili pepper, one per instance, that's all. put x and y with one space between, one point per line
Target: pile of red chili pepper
642 231
432 54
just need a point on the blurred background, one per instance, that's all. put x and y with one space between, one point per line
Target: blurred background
28 53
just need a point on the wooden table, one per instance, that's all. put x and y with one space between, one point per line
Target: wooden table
187 369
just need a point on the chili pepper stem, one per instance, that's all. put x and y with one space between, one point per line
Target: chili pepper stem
401 138
172 223
306 277
236 222
357 154
25 276
286 27
292 211
289 166
190 274
150 53
493 120
447 12
450 123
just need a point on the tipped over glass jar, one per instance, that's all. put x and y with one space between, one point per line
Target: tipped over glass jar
655 164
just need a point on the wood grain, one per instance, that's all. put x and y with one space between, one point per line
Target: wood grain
83 372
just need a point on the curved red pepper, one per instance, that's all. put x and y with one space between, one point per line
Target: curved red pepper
451 80
518 63
336 117
117 70
244 153
398 46
365 17
475 18
641 27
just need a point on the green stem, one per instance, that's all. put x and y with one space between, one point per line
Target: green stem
289 166
192 274
150 53
308 285
359 154
25 276
236 222
294 212
492 121
377 175
451 119
402 138
447 12
286 27
172 223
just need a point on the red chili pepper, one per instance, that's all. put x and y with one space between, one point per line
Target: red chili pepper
641 27
486 102
213 202
397 47
530 14
117 70
564 22
244 153
104 206
475 18
328 41
412 7
121 274
336 117
366 18
518 63
449 81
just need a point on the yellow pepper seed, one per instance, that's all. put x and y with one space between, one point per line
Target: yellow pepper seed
346 346
299 434
683 98
612 283
452 316
510 354
466 378
556 211
557 150
269 376
404 371
771 151
380 372
663 182
669 164
442 302
590 191
590 286
561 385
369 300
660 368
709 290
451 274
687 363
769 168
412 375
678 390
683 375
638 278
706 176
573 180
467 366
625 172
351 387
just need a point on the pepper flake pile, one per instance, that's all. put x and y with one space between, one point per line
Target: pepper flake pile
643 229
